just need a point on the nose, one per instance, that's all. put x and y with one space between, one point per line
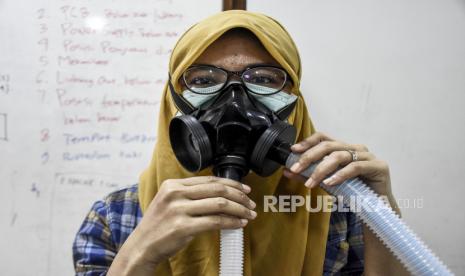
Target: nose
235 76
234 80
236 88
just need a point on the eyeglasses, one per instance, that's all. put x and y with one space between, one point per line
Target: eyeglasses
207 79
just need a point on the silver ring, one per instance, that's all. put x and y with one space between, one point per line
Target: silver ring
354 155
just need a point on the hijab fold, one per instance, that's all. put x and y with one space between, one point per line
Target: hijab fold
275 243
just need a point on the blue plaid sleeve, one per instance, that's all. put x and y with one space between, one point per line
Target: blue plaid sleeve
93 249
104 230
344 248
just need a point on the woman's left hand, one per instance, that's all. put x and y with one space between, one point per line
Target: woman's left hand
336 155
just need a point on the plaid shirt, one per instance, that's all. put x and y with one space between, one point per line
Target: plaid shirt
111 221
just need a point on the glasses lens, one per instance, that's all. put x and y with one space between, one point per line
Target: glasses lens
204 79
264 80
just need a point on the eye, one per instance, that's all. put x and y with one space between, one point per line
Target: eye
203 77
264 80
261 79
201 81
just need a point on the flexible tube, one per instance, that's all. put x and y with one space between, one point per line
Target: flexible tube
231 252
417 258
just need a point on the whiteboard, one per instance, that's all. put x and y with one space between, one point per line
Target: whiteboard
80 83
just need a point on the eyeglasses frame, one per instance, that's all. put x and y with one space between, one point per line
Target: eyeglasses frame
240 74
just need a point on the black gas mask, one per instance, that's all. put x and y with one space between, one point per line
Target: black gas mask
234 132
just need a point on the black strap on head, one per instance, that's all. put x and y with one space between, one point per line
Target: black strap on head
284 112
182 104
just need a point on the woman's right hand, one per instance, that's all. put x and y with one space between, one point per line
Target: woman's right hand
181 209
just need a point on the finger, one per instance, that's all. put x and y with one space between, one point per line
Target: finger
219 205
317 153
217 189
328 165
309 142
213 179
215 222
333 162
287 173
354 169
360 147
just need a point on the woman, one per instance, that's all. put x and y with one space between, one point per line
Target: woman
177 234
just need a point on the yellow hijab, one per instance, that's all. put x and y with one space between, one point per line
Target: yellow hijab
275 243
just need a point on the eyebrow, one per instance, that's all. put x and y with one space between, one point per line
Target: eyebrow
251 65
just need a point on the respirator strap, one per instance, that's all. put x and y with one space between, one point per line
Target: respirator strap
182 104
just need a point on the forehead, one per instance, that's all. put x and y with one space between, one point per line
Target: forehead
236 50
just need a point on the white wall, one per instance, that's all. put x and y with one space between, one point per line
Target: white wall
391 75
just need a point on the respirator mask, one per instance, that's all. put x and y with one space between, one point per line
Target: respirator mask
236 125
